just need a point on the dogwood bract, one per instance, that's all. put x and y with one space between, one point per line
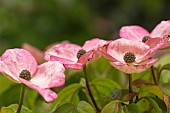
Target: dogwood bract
130 56
138 33
20 66
74 56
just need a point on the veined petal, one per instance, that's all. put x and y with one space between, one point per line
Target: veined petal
118 48
49 74
133 68
135 33
163 28
17 60
46 93
64 51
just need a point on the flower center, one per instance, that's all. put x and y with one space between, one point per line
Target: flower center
145 38
166 38
129 57
80 53
25 74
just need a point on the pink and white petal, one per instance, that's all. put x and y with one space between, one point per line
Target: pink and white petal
134 32
152 51
49 74
133 68
152 42
62 60
107 56
118 48
46 93
6 72
76 66
94 44
65 51
38 54
163 28
17 60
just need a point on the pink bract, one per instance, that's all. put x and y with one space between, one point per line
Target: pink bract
136 33
66 53
117 49
38 54
43 77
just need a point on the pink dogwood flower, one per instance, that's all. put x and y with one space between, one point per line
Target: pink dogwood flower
20 66
130 56
137 33
74 56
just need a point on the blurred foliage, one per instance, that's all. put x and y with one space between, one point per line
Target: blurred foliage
42 22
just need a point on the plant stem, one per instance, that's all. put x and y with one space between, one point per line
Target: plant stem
153 75
89 90
21 98
130 83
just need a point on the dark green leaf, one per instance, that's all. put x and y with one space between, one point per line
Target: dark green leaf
67 95
131 108
152 89
102 88
84 107
161 104
65 108
154 105
113 107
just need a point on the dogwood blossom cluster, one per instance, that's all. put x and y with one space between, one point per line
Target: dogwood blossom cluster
132 53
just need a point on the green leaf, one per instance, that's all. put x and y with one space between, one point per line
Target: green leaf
13 108
131 108
101 88
106 70
84 107
67 95
161 104
65 108
152 89
113 107
154 105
